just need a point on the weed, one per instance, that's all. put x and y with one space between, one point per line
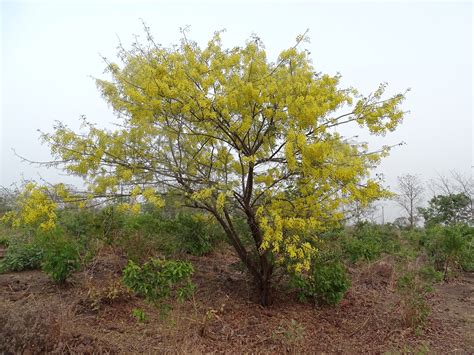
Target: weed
292 333
139 315
113 291
414 308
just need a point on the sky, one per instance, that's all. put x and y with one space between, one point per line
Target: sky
51 51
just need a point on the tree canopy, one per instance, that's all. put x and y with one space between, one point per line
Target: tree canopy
236 135
447 209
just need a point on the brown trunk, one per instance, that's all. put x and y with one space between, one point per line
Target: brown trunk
260 268
265 282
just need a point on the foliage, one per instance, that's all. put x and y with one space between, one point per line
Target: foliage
4 241
196 234
326 282
80 223
447 209
233 134
33 208
366 241
159 279
429 274
60 257
23 253
450 246
151 230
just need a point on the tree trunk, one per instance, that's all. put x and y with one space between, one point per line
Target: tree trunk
260 267
266 271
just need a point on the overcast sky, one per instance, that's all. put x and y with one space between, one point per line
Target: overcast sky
50 50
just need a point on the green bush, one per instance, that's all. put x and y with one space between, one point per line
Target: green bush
429 274
60 257
4 241
23 253
450 246
149 231
80 223
368 241
326 283
159 279
195 234
466 261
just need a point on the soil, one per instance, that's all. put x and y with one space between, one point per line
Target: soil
93 314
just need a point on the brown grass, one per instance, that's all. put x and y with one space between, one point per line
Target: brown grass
93 314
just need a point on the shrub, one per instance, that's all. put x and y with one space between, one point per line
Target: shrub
143 234
195 234
60 257
429 274
81 223
326 283
450 246
367 241
22 254
159 279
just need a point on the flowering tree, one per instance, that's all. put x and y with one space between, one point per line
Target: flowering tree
237 136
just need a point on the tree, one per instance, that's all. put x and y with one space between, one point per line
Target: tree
447 210
237 136
410 196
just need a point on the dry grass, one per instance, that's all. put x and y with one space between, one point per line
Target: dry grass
93 314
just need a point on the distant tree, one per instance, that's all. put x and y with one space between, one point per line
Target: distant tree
357 212
237 136
410 196
7 199
401 222
447 210
456 183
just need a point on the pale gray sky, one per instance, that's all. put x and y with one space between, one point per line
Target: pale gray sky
49 50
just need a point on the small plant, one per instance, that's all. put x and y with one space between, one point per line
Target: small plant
414 308
139 315
160 279
326 283
291 333
61 257
112 291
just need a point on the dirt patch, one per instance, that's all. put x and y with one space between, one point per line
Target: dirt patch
93 314
453 306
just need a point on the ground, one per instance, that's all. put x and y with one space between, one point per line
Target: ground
93 314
